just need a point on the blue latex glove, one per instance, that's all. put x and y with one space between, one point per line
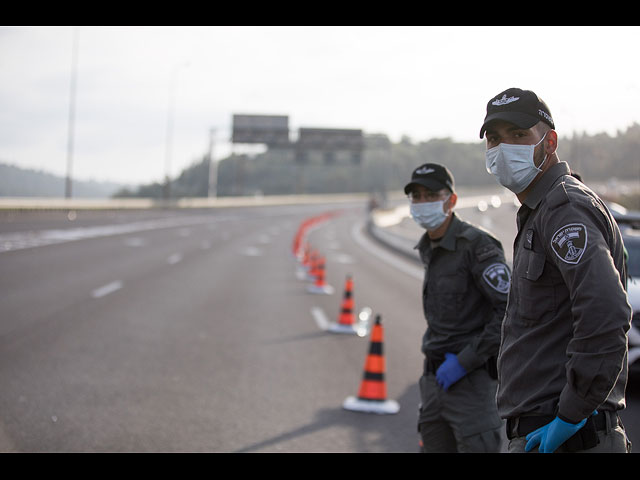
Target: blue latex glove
552 435
450 371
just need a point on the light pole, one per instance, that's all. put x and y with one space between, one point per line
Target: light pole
213 167
72 108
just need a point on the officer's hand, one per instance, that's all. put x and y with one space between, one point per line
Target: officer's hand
552 435
450 371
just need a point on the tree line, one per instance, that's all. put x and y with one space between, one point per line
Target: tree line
385 166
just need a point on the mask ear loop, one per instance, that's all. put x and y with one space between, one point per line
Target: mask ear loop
445 201
539 167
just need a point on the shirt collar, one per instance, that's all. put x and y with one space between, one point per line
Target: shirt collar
544 183
448 241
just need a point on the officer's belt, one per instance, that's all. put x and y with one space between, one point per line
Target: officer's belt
522 426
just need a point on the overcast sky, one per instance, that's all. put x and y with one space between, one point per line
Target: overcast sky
422 82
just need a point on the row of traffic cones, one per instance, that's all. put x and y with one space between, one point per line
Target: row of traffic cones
316 273
372 395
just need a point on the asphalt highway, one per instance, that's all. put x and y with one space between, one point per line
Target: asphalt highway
191 331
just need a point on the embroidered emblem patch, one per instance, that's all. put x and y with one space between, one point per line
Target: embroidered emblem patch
504 100
497 277
570 242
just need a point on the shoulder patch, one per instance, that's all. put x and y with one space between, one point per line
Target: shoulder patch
497 277
570 242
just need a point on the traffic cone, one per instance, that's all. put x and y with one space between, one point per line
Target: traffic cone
304 262
312 264
346 319
372 397
319 286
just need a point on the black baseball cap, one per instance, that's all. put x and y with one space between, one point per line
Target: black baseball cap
520 107
432 176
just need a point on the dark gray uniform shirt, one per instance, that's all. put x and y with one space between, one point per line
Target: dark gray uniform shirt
465 290
564 344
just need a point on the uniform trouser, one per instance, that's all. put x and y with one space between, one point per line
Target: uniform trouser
464 419
612 439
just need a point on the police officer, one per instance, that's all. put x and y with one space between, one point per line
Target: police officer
562 367
464 297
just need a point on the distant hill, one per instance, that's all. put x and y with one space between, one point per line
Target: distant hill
21 182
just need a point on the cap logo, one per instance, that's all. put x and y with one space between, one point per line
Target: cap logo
424 171
545 115
504 100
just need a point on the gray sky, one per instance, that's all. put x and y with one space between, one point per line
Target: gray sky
423 82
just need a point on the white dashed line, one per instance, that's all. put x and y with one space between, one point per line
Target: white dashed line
251 252
106 289
320 317
174 258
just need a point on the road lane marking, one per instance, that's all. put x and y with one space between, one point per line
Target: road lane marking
320 317
135 242
31 239
343 258
251 252
174 258
106 289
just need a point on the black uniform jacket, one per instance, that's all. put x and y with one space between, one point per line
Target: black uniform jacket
465 290
564 344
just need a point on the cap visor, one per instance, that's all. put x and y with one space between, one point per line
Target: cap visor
431 184
521 120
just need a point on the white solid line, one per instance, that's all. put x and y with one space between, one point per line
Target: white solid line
394 260
175 258
320 318
106 289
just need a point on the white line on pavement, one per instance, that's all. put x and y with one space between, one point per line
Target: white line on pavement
174 258
320 318
106 289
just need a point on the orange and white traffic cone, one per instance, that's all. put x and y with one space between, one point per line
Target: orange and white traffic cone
372 397
346 319
319 286
311 264
304 262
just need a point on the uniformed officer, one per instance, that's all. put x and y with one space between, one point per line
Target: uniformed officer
464 297
562 367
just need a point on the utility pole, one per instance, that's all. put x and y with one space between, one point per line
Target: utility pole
213 167
72 108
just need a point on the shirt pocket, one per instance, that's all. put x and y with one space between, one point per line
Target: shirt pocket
451 292
535 295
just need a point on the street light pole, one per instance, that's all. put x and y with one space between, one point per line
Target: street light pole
72 108
213 167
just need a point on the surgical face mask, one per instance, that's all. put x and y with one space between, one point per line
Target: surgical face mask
429 215
513 165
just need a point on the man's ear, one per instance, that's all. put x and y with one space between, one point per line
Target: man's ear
551 143
453 199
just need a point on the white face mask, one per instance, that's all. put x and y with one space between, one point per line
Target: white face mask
513 165
429 215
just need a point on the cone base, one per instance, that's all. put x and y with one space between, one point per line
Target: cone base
341 328
371 406
320 290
